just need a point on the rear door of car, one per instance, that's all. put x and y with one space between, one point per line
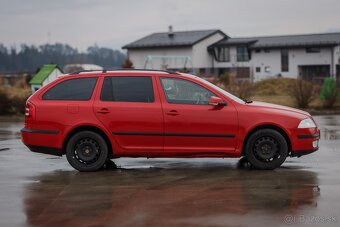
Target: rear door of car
130 108
64 104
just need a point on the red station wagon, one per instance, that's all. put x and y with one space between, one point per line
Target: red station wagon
93 117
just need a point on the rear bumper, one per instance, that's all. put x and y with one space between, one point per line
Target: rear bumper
39 131
42 141
46 150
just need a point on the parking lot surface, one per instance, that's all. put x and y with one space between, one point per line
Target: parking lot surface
42 190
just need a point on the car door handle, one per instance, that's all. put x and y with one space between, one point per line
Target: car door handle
172 113
103 111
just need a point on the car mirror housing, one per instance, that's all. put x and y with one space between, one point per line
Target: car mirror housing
216 101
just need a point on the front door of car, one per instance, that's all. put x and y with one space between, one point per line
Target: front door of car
130 109
191 125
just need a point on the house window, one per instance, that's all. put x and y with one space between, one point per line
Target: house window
267 69
313 50
267 50
222 54
242 54
284 60
258 69
258 51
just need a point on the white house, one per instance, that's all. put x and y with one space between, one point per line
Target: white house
79 67
45 75
211 52
175 50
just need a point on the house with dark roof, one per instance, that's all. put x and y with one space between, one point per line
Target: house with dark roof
174 50
211 52
44 76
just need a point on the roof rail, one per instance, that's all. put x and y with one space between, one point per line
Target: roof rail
104 71
148 70
85 71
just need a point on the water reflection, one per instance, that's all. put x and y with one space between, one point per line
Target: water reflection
156 197
330 134
332 120
9 130
329 127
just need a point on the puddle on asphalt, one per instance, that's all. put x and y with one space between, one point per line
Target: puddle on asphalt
5 132
330 134
137 167
10 130
110 197
9 134
329 126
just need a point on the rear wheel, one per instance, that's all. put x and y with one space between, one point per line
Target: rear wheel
266 149
86 151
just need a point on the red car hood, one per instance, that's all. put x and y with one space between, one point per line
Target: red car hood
278 107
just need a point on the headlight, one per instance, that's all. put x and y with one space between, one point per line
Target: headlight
307 123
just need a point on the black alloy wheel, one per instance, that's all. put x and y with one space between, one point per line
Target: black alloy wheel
266 149
87 151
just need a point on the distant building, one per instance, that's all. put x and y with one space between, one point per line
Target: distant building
175 50
44 76
211 52
78 67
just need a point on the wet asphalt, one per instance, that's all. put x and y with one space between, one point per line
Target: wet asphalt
41 190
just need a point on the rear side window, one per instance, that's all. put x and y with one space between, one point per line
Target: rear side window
75 89
127 89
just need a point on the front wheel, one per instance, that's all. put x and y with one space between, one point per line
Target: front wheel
266 149
87 151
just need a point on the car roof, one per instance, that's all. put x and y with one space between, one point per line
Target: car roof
122 72
127 71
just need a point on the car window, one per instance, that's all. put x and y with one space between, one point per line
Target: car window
181 91
233 97
127 89
73 89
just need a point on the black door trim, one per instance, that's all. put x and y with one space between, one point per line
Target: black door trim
172 134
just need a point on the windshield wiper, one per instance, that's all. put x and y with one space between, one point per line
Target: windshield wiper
247 101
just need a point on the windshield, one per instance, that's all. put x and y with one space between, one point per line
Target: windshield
233 97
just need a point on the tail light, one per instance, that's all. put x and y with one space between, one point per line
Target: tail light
29 111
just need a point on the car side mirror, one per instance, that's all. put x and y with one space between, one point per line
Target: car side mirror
216 101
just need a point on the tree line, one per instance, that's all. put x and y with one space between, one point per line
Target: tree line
28 58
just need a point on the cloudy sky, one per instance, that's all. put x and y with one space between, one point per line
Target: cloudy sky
113 23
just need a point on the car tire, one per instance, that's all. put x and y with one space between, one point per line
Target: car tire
87 151
266 149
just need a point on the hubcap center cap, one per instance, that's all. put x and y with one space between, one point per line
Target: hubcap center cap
87 150
266 148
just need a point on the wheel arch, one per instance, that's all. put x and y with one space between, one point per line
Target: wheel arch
88 128
267 126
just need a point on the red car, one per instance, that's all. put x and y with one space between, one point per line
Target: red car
93 117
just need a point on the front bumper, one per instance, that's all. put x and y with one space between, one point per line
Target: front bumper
306 141
302 153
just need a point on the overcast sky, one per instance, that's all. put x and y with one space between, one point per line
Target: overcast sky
114 23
